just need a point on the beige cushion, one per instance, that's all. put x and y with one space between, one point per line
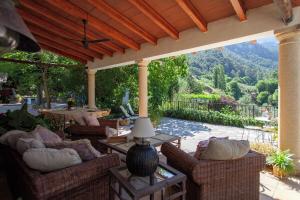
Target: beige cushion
24 144
13 139
78 118
225 149
83 147
45 135
46 159
4 137
91 120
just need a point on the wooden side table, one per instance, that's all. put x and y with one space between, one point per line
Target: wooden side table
166 182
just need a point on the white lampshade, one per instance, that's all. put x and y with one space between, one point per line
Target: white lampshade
143 128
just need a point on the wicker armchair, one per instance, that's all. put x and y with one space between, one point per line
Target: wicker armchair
214 180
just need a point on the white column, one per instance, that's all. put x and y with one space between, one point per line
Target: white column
143 88
91 88
289 91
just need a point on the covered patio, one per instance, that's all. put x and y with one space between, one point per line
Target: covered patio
139 31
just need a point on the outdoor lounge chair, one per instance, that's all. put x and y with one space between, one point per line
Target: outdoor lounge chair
127 115
210 179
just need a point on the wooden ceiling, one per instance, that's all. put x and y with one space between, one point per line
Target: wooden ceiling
127 23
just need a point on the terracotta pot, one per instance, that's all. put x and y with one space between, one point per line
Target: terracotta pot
279 172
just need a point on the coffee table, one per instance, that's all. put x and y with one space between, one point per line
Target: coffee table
155 141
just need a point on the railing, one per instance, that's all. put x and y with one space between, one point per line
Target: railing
251 110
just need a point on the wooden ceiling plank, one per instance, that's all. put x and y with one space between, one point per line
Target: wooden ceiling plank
193 13
147 10
94 22
104 7
56 38
62 53
62 47
68 24
239 9
58 31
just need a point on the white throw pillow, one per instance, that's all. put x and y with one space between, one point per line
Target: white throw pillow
110 132
91 120
4 137
13 139
45 135
24 144
46 159
225 149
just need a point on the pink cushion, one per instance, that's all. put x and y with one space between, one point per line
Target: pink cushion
78 118
83 147
202 146
45 135
91 120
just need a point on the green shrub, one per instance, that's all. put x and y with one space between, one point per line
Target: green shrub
213 117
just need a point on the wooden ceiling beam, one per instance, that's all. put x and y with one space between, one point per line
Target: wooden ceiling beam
62 53
61 47
147 10
193 13
66 23
104 7
59 31
239 9
55 38
97 24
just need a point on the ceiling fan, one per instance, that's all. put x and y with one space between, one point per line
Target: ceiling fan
85 41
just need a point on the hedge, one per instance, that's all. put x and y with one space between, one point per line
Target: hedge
212 117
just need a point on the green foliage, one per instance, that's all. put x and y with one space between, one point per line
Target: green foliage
283 160
20 120
212 117
246 99
164 75
207 97
262 97
234 90
219 77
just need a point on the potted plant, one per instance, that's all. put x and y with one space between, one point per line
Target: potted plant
282 163
71 103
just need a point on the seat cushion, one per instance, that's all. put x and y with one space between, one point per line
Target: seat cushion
45 135
24 144
225 149
46 159
83 147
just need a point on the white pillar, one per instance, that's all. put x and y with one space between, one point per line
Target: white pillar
289 91
143 88
91 88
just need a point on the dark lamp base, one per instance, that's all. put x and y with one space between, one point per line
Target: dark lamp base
142 160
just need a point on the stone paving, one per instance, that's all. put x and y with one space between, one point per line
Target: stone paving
271 188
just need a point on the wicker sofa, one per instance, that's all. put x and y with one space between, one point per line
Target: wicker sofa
89 180
214 180
93 133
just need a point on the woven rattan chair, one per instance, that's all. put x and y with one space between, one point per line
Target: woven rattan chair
214 180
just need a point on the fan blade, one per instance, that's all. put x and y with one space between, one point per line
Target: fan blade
71 39
100 40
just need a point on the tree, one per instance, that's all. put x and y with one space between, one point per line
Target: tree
262 97
222 82
234 90
261 86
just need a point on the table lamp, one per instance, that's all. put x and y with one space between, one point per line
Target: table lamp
142 158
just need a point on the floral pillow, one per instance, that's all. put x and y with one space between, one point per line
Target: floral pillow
45 135
202 146
83 147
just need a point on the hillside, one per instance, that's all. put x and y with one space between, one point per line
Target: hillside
239 60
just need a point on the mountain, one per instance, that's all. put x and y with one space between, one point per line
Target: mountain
253 60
